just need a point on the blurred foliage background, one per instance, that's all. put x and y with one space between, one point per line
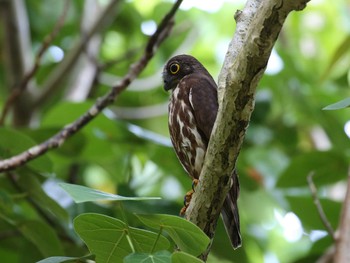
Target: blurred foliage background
127 151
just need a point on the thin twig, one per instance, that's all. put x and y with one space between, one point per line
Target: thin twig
22 86
318 205
58 139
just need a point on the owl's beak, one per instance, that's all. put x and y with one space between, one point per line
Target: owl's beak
167 82
167 85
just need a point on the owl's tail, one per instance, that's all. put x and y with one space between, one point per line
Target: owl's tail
230 214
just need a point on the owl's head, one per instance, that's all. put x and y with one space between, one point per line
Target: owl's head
178 67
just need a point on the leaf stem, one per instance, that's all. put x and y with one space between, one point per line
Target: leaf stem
129 240
126 231
155 242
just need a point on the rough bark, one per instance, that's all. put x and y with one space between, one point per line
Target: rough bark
258 26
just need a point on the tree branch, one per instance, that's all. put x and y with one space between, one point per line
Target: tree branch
342 252
153 43
258 26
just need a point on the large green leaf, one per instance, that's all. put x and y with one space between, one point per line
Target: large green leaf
111 239
13 142
163 256
42 236
329 167
82 194
186 235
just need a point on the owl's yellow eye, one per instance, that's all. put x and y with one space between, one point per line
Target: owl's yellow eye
174 68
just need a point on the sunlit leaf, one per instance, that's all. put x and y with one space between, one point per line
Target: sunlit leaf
82 194
187 236
111 239
158 257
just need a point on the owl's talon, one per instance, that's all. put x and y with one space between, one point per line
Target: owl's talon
187 200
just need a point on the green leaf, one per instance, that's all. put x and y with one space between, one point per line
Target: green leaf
163 256
329 167
65 259
42 236
111 239
33 188
13 142
82 194
182 257
189 237
345 103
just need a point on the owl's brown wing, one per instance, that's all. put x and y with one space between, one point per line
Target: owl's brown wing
203 99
